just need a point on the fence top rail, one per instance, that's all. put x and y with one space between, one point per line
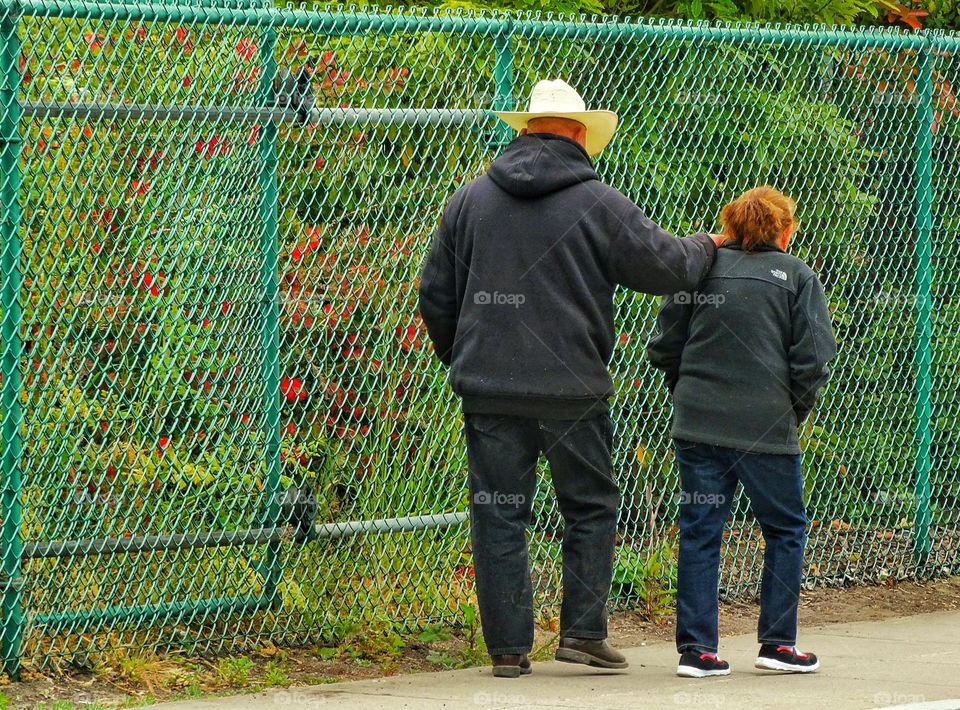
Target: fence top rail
351 21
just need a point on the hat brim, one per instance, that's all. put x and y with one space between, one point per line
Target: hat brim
601 125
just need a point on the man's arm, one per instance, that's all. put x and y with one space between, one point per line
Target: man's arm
666 347
812 346
643 257
438 291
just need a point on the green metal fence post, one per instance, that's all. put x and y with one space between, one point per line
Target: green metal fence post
271 315
924 223
503 84
12 541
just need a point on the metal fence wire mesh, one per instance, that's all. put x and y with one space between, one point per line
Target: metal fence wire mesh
222 422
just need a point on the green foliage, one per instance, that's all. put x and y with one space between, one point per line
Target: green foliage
274 675
235 671
649 576
943 14
805 11
433 633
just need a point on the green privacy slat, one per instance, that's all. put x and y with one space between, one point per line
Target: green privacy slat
232 428
11 536
270 286
924 277
503 83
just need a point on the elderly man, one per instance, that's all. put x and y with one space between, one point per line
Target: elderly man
517 296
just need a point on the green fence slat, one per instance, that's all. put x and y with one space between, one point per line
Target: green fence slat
271 330
924 189
12 285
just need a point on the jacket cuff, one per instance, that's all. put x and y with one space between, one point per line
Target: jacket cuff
707 240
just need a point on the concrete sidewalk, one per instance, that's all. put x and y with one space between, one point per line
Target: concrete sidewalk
911 661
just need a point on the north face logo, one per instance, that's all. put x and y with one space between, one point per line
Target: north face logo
782 275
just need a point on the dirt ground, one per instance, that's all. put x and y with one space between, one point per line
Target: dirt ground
127 681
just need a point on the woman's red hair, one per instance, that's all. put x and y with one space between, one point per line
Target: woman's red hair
758 217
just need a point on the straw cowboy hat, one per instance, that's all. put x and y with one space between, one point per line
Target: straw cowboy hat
560 100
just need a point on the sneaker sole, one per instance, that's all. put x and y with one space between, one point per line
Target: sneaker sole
568 655
692 672
770 664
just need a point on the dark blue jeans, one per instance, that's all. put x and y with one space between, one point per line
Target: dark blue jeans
708 481
503 452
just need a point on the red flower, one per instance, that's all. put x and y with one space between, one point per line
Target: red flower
246 49
292 389
297 49
212 147
94 40
408 337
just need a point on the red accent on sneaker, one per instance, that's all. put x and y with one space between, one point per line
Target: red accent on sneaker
794 650
711 656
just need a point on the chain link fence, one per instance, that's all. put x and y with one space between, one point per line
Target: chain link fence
222 422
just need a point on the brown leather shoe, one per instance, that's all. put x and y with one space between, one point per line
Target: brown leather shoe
511 666
590 652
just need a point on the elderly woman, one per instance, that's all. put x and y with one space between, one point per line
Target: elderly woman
744 359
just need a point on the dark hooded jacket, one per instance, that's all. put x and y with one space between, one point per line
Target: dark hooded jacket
517 289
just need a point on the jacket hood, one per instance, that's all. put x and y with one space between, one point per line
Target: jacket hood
535 165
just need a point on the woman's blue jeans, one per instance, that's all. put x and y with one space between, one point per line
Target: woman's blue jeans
774 485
